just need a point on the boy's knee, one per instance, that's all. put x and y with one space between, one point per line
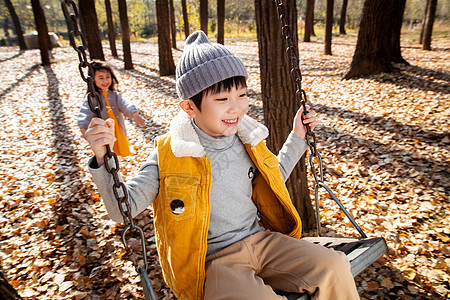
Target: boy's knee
334 261
339 262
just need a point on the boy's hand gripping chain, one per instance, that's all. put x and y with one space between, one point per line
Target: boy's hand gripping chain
95 105
296 76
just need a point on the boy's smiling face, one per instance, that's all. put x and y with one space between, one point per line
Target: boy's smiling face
220 112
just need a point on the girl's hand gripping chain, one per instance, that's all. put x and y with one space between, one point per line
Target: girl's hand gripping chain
99 134
309 118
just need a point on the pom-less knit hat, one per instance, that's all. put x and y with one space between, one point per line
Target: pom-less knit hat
204 64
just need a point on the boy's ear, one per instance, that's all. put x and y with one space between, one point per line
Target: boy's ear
188 106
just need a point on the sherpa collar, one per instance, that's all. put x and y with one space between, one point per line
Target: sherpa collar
185 142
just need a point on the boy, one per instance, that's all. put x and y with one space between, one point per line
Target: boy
225 226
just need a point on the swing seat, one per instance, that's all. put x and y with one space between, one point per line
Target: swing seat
361 252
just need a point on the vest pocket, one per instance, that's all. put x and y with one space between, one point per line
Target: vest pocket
181 193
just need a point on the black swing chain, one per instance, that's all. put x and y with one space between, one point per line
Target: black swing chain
119 189
310 138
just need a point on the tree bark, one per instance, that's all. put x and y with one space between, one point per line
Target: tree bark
204 16
5 26
278 95
125 28
397 21
309 20
221 22
166 64
329 27
7 292
185 18
428 30
172 24
343 17
425 15
41 27
17 27
373 47
92 31
111 29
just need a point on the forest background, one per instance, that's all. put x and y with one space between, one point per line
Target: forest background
239 17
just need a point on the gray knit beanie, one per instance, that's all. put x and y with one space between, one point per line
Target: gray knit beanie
204 64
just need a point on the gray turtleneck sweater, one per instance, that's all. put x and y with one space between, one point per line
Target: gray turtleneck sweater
233 215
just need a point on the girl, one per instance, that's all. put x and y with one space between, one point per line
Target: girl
114 107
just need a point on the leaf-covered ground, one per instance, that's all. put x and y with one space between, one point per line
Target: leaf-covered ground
384 142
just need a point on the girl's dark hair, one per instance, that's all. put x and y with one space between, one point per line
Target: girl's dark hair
224 85
101 65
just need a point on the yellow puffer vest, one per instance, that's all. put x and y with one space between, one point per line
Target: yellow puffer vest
182 208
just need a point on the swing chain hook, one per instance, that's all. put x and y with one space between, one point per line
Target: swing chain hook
310 137
111 161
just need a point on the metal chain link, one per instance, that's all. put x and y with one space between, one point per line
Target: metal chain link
111 161
310 137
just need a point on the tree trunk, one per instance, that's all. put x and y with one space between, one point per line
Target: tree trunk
425 15
204 16
221 22
123 15
313 33
111 28
41 27
92 31
185 18
278 94
7 292
5 26
397 21
429 25
17 27
309 20
82 27
329 27
166 64
172 24
373 47
343 17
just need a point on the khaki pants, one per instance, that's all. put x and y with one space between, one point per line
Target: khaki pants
252 268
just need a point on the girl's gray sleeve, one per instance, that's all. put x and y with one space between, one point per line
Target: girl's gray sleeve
85 116
142 189
125 107
290 154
